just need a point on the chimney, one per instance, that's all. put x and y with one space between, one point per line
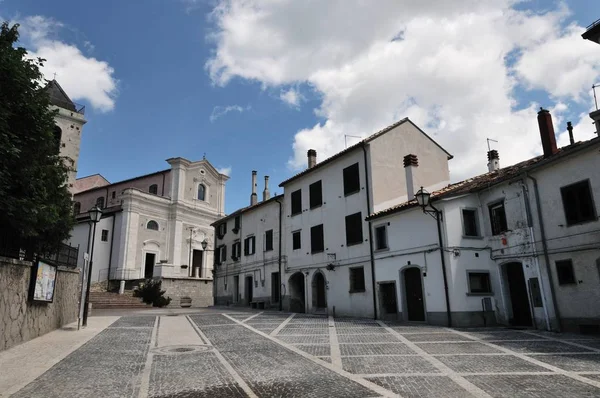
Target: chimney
596 118
253 197
266 193
547 132
570 129
410 164
312 158
493 160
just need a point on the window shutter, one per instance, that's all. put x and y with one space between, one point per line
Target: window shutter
253 245
224 252
246 246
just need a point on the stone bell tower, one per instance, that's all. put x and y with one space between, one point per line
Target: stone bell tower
69 125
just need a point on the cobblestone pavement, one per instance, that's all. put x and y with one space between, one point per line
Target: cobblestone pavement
263 354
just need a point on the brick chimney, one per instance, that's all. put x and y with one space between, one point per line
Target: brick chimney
596 118
493 160
410 165
312 158
253 197
266 193
570 130
547 132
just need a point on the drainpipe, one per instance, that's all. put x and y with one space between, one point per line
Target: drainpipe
279 257
438 218
545 248
371 251
112 241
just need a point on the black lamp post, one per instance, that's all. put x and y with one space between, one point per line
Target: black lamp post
95 216
424 200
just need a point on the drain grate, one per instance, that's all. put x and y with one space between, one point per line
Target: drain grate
182 349
178 350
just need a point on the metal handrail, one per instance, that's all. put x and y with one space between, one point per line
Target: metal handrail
597 22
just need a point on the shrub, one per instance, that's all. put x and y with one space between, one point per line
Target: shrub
150 293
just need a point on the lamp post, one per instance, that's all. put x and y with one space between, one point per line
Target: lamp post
95 216
424 200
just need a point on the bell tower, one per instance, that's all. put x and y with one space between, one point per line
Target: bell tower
69 125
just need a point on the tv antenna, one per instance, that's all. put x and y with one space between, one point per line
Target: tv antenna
488 142
346 139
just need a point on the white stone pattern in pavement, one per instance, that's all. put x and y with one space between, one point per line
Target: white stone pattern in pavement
273 354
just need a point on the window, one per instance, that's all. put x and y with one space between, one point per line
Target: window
498 218
316 194
222 230
104 237
316 239
249 246
269 240
236 224
201 192
357 279
114 194
479 282
218 256
381 238
470 227
564 270
100 202
153 225
76 208
354 233
578 203
296 202
236 251
296 240
57 138
153 189
351 180
221 255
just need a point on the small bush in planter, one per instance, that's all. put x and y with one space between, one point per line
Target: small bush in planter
150 293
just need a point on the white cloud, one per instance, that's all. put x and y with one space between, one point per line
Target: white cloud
454 68
83 78
220 111
225 170
292 97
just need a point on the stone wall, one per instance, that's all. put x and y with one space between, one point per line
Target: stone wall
199 290
21 319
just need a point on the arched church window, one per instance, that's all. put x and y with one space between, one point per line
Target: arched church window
153 225
201 192
153 189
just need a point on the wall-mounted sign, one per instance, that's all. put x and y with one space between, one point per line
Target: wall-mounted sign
44 282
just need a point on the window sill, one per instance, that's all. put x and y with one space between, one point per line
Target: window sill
268 250
357 291
317 251
295 214
316 206
567 283
351 193
582 222
472 237
353 244
384 249
480 294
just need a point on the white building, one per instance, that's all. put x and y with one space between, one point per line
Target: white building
248 253
152 225
520 245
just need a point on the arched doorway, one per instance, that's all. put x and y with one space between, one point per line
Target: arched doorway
517 293
413 291
319 295
297 293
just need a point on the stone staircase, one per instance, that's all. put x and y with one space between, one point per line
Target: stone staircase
106 300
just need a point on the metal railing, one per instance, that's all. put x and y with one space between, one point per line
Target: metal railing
19 249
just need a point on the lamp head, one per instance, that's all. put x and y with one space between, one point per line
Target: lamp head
95 214
204 244
423 197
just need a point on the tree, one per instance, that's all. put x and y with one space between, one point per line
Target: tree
35 204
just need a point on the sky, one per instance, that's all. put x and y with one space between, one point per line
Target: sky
254 84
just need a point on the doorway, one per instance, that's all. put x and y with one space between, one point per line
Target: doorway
319 294
236 288
297 294
387 300
275 282
197 262
248 290
149 262
413 288
519 299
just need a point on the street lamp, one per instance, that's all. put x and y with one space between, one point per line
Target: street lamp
95 216
204 244
424 200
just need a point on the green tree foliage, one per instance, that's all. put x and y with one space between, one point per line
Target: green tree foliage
150 293
35 204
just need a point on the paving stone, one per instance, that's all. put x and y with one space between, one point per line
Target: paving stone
533 386
375 349
314 339
422 386
546 346
304 331
457 348
321 350
435 337
326 359
417 329
170 377
134 322
387 364
211 319
504 335
278 372
573 362
489 363
367 338
595 377
362 330
594 344
341 323
106 366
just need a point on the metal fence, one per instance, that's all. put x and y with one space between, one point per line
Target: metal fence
13 247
